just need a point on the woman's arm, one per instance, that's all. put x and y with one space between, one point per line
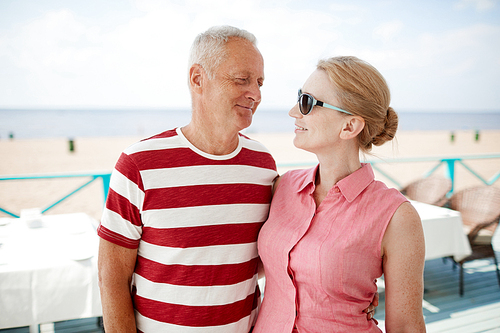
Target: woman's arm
403 250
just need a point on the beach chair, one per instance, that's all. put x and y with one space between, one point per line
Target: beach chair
430 190
480 210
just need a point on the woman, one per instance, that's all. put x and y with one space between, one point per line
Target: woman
333 230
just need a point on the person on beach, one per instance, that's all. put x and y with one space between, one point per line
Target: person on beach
178 247
332 229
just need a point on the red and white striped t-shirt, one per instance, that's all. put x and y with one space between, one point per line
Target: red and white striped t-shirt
194 218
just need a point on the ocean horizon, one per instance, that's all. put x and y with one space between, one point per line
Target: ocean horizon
73 123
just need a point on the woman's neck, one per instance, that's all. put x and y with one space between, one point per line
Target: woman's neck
333 168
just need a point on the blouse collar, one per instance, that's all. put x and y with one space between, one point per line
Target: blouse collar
350 186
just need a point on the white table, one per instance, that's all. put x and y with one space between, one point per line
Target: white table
443 232
48 273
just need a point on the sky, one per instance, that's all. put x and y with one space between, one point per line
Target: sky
435 55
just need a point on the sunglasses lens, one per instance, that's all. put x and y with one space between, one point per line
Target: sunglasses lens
305 104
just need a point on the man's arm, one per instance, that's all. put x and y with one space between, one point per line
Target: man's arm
116 266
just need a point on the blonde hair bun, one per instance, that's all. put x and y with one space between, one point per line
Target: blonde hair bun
390 127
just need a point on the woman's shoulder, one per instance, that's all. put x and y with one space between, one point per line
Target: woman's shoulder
299 176
380 189
295 179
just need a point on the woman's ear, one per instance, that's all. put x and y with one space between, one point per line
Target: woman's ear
196 77
352 127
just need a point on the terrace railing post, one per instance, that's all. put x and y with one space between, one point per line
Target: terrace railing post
106 178
450 163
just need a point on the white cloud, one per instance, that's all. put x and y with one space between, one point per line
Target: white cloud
448 70
134 64
47 42
475 40
388 30
144 62
62 58
478 5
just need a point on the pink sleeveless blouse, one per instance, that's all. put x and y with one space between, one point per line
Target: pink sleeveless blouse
321 264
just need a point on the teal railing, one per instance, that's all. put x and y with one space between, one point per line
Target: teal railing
90 177
450 164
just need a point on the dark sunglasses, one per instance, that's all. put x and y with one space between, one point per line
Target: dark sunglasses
307 102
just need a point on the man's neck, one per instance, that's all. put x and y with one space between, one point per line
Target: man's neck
211 140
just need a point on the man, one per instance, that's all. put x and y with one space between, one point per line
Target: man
178 235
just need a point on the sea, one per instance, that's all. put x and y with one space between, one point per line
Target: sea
74 123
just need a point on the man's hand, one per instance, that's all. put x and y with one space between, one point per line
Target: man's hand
370 310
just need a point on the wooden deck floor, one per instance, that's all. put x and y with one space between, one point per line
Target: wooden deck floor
478 310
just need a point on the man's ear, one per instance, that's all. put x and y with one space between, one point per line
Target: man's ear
352 127
196 74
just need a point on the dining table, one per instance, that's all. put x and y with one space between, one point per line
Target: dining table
48 263
48 269
443 232
444 236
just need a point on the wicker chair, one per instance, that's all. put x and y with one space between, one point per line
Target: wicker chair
430 190
480 210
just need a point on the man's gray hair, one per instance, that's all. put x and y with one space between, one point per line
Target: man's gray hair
208 47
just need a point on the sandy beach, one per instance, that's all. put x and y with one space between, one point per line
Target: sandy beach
53 156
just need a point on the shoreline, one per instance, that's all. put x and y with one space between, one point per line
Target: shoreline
99 154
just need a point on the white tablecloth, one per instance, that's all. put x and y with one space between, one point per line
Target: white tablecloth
443 232
48 273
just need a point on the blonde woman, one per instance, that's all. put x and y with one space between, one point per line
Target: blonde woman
333 229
